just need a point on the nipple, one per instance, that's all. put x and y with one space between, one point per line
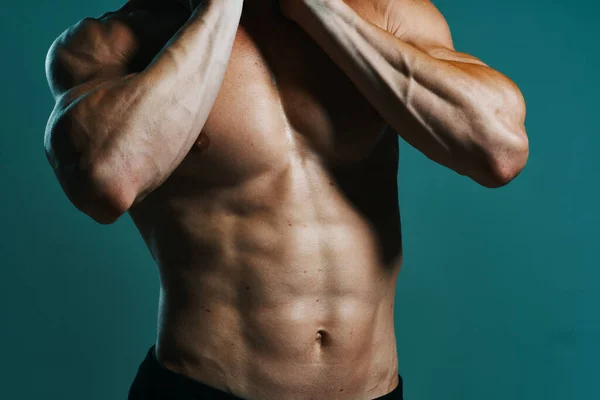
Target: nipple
202 143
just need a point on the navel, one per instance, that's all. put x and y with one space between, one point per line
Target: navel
322 337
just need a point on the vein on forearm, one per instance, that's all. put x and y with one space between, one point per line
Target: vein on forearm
405 84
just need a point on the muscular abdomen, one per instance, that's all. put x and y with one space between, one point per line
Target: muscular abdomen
280 281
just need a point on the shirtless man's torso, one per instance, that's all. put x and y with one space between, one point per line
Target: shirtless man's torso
276 230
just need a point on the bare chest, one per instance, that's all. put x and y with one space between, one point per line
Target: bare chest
288 131
281 96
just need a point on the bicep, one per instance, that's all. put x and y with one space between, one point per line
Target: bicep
87 55
421 24
112 47
81 60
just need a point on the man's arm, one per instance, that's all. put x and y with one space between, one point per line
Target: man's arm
116 135
449 105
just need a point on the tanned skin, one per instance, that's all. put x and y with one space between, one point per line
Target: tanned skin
254 145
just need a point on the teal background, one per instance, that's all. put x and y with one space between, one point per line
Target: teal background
498 295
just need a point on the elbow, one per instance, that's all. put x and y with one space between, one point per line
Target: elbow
503 164
96 189
99 192
504 143
104 216
111 195
100 187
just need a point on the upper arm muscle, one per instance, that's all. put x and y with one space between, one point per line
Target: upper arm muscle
421 24
87 54
97 50
418 22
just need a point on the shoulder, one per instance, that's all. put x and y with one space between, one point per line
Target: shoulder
115 42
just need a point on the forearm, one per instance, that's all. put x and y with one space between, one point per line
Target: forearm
128 135
458 114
